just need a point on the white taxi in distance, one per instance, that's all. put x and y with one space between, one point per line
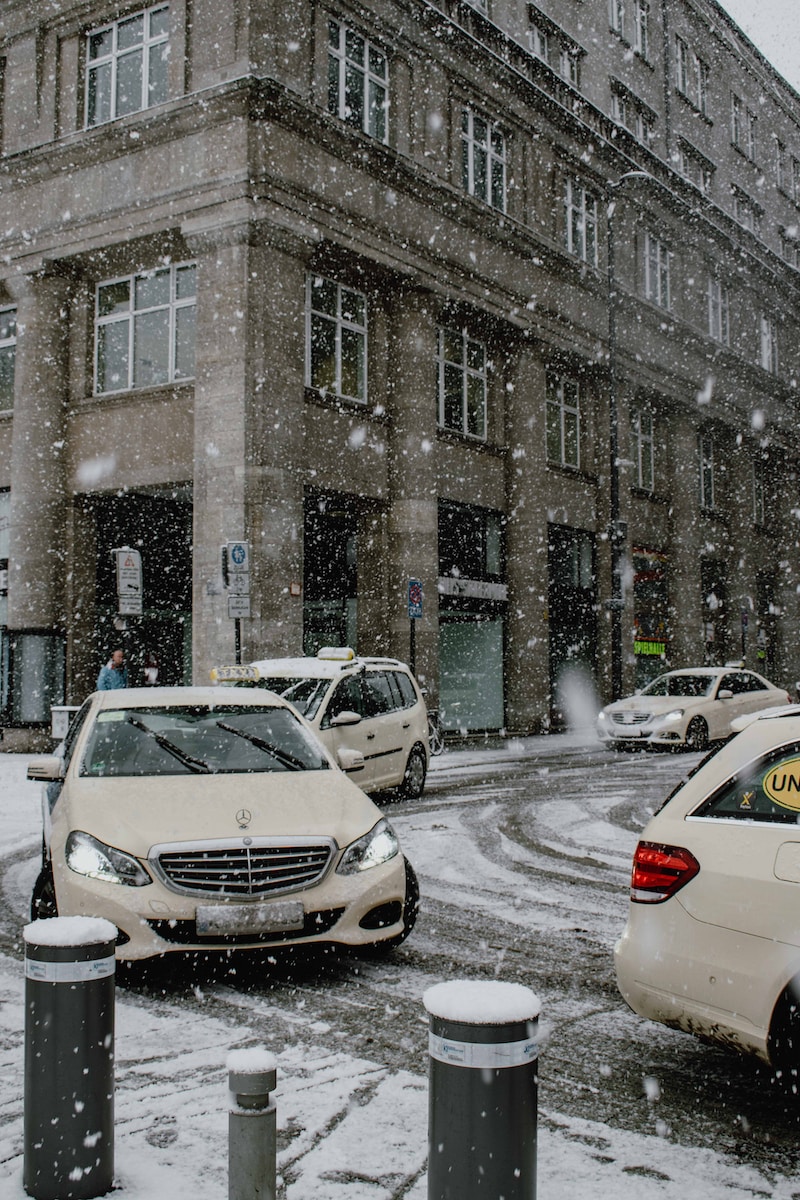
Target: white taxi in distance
202 819
687 708
370 705
712 941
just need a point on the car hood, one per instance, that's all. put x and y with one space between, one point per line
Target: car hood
134 814
657 705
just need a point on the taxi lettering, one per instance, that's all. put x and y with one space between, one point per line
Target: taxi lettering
782 784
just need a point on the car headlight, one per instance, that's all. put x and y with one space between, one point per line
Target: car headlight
374 848
675 715
87 856
602 716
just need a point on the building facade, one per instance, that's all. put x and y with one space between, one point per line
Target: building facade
499 297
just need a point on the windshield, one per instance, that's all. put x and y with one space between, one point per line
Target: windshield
305 695
681 685
201 739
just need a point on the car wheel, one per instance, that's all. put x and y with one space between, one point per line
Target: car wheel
784 1034
414 778
43 900
410 912
697 734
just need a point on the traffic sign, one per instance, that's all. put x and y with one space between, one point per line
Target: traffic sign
414 599
238 606
129 581
239 582
238 556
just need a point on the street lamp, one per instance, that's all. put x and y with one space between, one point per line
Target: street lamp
617 529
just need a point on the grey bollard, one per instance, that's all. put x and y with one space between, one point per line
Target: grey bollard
483 1091
252 1075
68 1124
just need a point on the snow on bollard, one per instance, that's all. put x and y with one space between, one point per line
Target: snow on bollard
252 1075
68 1125
483 1088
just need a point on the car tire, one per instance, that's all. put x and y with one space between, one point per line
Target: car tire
410 913
413 783
43 899
784 1034
696 734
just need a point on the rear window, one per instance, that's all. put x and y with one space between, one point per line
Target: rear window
201 740
767 790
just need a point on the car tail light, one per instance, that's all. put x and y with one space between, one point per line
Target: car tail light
660 871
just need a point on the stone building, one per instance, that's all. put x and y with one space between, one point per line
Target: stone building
501 297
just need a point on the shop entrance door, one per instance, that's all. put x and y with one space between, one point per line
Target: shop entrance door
572 606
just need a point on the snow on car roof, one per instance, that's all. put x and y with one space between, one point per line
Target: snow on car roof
162 697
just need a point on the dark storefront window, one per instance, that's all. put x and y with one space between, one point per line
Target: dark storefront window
650 614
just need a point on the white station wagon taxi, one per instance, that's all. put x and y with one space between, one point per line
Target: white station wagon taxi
205 819
370 705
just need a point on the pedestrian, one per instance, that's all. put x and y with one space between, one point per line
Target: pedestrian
114 674
150 669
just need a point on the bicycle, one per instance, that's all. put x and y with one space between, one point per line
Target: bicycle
435 733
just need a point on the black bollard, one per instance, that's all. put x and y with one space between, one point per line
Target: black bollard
483 1091
69 1058
252 1125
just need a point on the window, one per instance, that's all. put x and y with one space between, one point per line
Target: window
790 247
691 76
657 271
694 167
358 81
336 339
745 211
796 180
644 453
144 329
781 177
127 65
706 449
540 42
461 368
743 127
718 323
616 16
8 353
641 28
769 344
759 494
580 207
632 114
471 542
569 66
483 163
563 420
766 791
554 47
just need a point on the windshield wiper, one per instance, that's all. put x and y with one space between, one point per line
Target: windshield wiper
286 760
194 764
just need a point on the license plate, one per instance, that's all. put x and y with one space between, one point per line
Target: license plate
223 919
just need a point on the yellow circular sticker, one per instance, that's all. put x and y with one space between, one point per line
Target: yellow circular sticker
782 784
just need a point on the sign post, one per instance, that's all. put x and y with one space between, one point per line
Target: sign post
414 615
236 577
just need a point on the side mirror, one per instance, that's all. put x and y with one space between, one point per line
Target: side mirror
46 769
725 694
345 718
350 760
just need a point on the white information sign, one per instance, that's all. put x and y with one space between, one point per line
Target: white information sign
129 581
238 606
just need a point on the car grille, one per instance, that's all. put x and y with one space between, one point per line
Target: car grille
630 718
258 869
184 933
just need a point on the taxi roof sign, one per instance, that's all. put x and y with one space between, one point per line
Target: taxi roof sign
337 653
234 673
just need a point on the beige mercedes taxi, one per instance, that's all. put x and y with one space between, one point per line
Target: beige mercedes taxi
205 819
712 942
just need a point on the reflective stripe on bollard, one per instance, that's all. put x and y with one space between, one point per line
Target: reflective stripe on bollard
483 1091
252 1125
69 1058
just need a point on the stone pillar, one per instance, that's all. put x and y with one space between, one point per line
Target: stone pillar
686 643
221 373
413 542
527 631
37 535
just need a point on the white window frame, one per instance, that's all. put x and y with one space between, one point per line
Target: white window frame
580 212
780 165
616 16
150 46
694 169
483 140
705 445
768 357
347 330
353 59
657 271
718 310
471 369
563 417
8 346
134 313
641 28
643 426
539 40
682 60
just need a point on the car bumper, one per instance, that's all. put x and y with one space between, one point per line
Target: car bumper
348 910
645 735
716 983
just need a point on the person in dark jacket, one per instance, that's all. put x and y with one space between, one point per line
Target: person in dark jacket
114 674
